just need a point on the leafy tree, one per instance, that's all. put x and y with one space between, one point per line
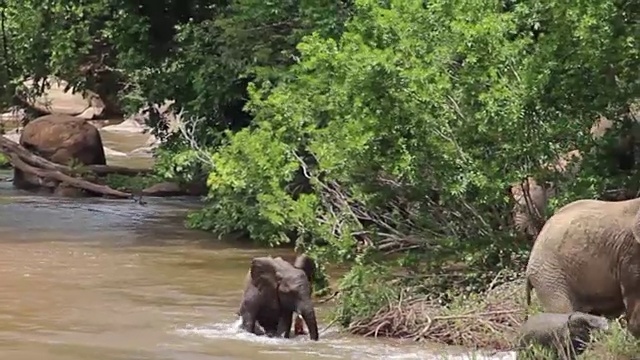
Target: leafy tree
200 53
411 126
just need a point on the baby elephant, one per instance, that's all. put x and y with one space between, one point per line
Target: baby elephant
566 335
274 290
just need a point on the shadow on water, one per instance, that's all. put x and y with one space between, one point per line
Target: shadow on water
113 280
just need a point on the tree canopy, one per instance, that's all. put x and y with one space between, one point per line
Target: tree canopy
385 134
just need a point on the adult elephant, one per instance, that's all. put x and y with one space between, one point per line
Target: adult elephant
529 211
274 289
531 198
587 258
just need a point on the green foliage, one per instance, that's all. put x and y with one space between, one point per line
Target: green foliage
4 162
131 183
616 343
413 123
365 290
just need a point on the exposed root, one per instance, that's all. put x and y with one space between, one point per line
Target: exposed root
9 147
490 321
51 174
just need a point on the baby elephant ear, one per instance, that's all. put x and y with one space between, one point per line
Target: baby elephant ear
306 264
263 273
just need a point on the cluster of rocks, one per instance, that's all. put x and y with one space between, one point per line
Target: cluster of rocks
88 106
67 133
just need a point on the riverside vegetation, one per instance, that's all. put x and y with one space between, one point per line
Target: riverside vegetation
382 134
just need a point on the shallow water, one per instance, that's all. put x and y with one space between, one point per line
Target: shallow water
113 280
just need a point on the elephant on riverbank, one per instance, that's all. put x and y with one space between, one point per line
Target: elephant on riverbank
274 290
564 334
531 197
587 258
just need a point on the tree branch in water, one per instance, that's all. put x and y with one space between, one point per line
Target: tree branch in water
47 171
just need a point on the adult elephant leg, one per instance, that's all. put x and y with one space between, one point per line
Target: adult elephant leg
552 289
632 305
630 288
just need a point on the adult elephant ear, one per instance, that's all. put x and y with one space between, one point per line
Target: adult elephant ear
264 273
530 201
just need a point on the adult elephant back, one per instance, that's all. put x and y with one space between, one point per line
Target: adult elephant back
587 258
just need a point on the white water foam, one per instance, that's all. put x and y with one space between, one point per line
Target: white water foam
333 347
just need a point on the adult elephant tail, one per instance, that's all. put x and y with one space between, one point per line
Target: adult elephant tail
527 294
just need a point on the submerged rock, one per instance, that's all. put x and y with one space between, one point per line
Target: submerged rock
129 126
166 188
169 188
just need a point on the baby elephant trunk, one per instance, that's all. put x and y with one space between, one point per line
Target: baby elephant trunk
586 321
305 309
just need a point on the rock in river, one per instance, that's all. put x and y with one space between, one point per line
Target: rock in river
168 188
60 139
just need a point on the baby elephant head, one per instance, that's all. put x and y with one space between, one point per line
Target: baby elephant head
291 284
582 322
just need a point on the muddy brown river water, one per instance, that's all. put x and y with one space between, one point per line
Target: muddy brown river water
114 280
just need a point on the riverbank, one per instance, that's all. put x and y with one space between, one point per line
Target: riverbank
486 321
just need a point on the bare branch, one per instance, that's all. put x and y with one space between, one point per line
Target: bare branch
188 129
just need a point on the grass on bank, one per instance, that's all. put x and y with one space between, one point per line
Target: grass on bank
487 321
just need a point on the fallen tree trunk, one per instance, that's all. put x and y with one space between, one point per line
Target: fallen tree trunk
52 174
63 178
9 147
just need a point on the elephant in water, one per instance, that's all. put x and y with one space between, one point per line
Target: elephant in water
274 289
587 258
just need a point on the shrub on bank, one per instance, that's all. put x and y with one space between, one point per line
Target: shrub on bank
488 320
4 162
